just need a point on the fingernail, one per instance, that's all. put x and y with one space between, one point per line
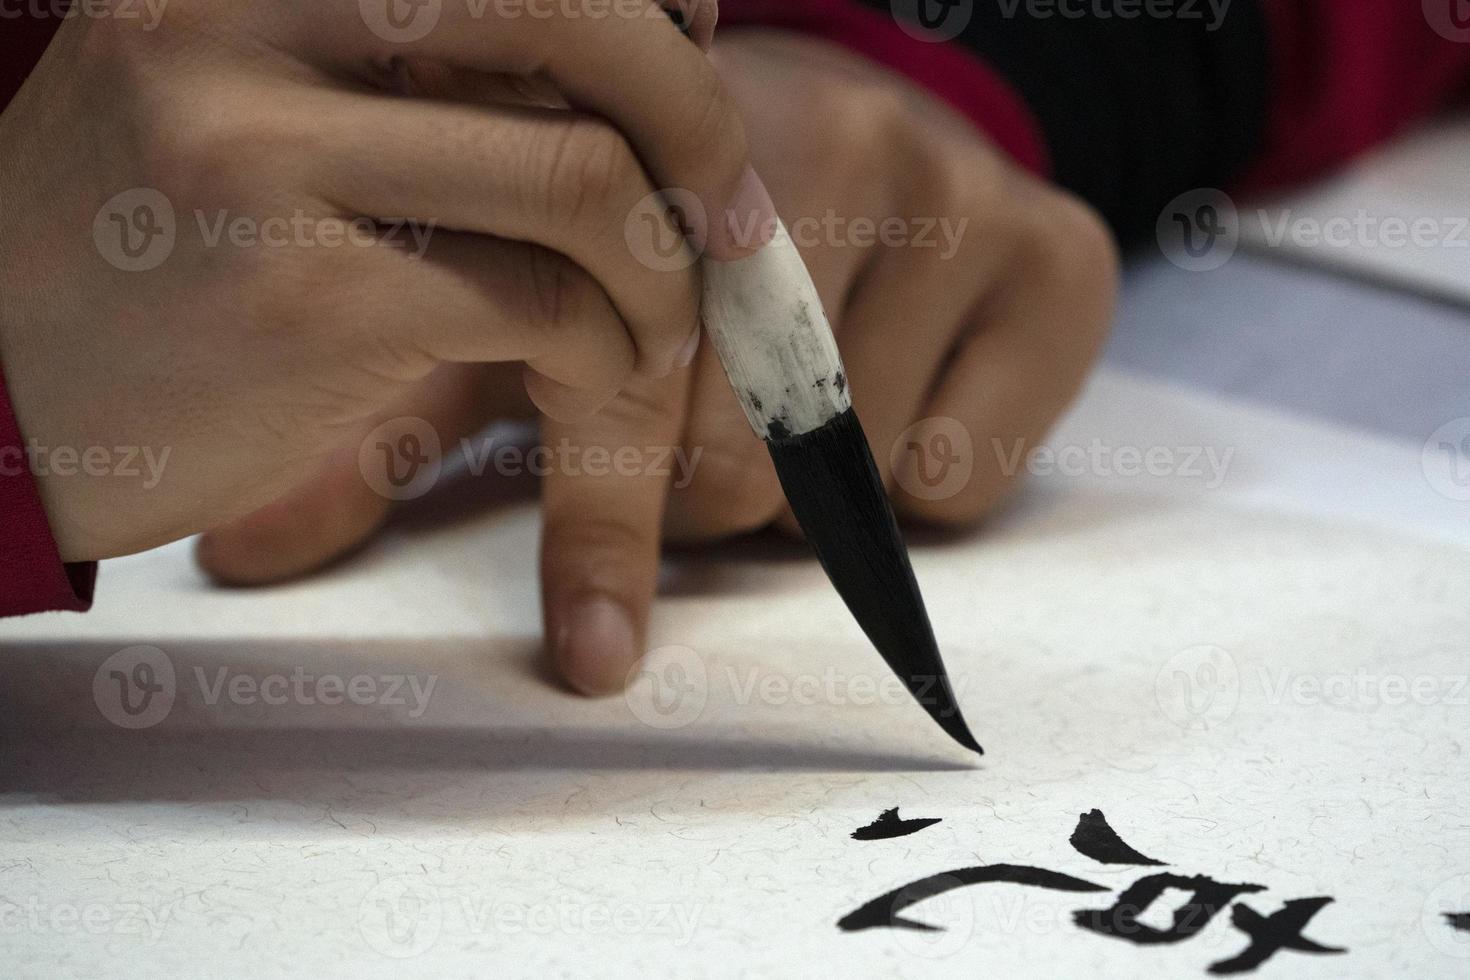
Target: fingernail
750 220
597 646
690 348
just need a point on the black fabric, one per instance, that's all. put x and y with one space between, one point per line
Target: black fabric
1135 111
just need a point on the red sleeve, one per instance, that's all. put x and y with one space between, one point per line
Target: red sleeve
1340 75
1347 75
32 576
948 70
22 42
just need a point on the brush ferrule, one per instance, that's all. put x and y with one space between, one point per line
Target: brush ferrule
766 321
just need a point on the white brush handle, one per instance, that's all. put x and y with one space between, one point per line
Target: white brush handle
766 320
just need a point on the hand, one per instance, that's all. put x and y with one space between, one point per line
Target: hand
983 308
993 324
202 257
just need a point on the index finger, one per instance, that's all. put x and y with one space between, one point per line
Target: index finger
602 502
622 59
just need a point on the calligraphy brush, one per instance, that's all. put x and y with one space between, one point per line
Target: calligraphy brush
777 348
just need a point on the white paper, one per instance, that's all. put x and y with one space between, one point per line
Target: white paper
478 822
1397 216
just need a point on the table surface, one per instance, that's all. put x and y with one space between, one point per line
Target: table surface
1371 357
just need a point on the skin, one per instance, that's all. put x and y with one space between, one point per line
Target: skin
997 337
253 364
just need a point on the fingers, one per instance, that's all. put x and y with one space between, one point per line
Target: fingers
734 489
602 507
337 509
484 300
1027 355
903 321
562 180
626 62
323 519
696 18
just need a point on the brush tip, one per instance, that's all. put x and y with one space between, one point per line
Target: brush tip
837 495
949 718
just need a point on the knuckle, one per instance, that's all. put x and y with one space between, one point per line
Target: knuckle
717 136
555 291
1071 239
587 172
853 120
217 157
965 184
852 116
1080 252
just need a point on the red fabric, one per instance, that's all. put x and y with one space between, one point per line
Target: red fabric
32 577
1347 75
22 41
947 70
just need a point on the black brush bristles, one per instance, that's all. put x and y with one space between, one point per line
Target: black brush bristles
837 496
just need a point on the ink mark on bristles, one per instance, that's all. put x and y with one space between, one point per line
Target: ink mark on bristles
1457 920
890 825
754 399
1095 839
804 316
777 429
841 382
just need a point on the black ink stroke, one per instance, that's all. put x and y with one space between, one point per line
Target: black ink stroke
883 910
1095 839
889 825
1209 897
1282 930
1458 920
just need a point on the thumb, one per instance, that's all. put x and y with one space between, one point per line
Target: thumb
343 504
607 479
